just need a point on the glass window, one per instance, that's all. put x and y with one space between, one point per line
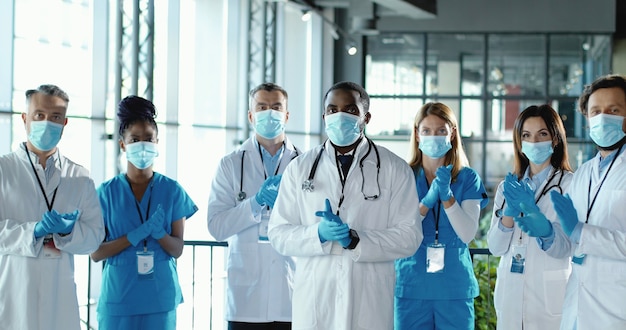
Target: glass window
455 61
516 65
392 116
394 65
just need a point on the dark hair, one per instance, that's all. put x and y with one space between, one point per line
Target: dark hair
559 158
269 87
51 90
133 109
608 81
350 86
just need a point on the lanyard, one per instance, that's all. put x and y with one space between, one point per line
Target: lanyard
437 213
593 202
43 191
342 179
145 242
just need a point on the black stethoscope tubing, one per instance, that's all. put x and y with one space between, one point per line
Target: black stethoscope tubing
307 185
242 194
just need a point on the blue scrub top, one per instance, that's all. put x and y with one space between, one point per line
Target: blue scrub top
457 281
123 292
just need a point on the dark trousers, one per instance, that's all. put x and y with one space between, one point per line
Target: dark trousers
259 326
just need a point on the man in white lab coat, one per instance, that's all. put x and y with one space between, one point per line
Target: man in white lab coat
594 215
242 197
346 209
49 211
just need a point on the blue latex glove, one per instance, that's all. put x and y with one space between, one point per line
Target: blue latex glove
136 235
269 191
510 209
331 228
432 196
53 223
565 210
533 223
42 228
517 193
443 180
157 220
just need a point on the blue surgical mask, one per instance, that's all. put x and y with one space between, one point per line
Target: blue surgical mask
606 130
269 123
435 146
342 129
537 152
45 135
141 154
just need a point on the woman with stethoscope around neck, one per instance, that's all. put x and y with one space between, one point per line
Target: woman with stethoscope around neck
530 285
435 288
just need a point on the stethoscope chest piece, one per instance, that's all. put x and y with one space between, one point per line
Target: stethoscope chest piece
308 186
241 196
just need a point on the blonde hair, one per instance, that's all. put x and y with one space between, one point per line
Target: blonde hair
455 156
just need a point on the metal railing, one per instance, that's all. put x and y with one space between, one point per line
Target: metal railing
202 275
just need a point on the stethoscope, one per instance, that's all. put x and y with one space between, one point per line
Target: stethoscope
544 191
242 194
308 185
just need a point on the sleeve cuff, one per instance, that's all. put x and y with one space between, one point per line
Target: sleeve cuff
545 242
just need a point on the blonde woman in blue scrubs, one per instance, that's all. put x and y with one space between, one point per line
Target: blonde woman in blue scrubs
144 216
435 288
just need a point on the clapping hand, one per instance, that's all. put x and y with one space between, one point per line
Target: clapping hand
565 210
443 180
533 222
517 193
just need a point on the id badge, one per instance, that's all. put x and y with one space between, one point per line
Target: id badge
579 259
435 254
518 260
263 225
49 249
145 264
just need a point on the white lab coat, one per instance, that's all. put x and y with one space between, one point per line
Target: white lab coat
335 288
38 292
259 279
533 299
596 290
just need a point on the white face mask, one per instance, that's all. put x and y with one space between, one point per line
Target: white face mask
269 123
141 154
342 129
435 146
606 130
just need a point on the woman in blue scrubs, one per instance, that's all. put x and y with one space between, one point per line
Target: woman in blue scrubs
436 287
144 217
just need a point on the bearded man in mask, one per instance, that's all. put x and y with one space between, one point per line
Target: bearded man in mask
346 209
242 198
49 212
592 214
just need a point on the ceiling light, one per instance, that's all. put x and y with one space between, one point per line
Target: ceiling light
306 15
351 48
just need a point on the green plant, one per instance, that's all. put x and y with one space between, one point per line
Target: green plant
485 268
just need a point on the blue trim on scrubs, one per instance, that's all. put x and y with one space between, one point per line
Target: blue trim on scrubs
123 292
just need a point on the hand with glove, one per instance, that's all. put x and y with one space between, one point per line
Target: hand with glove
510 209
443 180
566 211
432 196
157 220
136 235
516 193
534 223
269 191
331 228
54 223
